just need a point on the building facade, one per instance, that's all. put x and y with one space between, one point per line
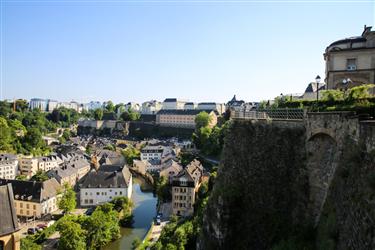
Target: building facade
101 186
72 171
8 166
184 187
351 62
173 103
182 118
34 199
151 107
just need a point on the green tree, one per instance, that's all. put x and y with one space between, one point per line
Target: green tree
67 202
203 119
21 177
359 92
110 107
66 134
72 236
5 136
162 188
130 154
332 95
102 226
136 243
33 139
39 176
28 244
98 114
130 115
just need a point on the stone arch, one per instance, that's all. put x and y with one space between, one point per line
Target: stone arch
321 165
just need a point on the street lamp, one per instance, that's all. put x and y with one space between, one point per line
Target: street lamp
317 80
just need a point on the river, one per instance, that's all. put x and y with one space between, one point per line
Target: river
144 211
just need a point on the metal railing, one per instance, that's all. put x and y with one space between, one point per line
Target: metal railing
270 114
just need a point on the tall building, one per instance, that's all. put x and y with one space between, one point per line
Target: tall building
184 187
351 61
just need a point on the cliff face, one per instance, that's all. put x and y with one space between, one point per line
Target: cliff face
261 193
294 187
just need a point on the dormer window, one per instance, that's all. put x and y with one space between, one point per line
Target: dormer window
351 64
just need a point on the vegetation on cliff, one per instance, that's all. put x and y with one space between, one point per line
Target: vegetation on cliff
261 190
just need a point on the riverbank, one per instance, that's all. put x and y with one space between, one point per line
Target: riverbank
144 212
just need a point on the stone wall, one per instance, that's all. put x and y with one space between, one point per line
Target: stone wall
277 178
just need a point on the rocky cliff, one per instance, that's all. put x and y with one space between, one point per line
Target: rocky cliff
307 185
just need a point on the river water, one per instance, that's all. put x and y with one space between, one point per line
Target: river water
144 211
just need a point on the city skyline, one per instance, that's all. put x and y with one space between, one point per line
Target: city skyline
197 50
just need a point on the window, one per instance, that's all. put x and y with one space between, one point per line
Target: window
2 245
34 206
27 206
97 193
351 64
21 205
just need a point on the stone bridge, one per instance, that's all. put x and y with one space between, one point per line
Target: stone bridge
325 134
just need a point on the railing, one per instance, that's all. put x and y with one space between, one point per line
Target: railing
270 114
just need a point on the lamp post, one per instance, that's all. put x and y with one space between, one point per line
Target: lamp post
317 80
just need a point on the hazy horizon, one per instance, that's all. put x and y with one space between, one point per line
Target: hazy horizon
197 50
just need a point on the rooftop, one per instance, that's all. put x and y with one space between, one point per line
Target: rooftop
8 218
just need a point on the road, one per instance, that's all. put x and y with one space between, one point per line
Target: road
166 210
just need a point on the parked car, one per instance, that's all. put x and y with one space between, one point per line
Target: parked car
89 211
32 230
158 221
42 226
50 223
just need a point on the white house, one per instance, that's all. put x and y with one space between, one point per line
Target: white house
8 166
173 103
102 186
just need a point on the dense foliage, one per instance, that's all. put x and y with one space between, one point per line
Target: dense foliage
131 153
90 232
67 202
210 140
21 129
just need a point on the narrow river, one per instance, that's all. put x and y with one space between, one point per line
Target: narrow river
144 211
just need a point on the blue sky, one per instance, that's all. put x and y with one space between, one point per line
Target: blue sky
197 50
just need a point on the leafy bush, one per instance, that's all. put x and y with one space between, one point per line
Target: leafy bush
332 95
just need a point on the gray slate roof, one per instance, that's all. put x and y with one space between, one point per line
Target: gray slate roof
33 191
107 177
182 111
8 218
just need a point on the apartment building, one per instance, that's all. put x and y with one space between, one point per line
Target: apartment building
34 199
182 118
30 165
184 187
71 171
101 186
8 166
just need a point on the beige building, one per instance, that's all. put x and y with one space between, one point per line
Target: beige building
170 170
351 58
184 187
9 228
34 199
30 165
72 171
182 118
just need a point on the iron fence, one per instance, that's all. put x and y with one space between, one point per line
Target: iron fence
270 114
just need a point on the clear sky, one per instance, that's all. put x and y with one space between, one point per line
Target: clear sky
139 50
